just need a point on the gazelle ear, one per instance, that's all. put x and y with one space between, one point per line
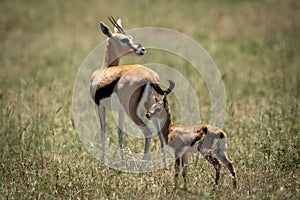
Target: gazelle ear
156 98
105 29
119 22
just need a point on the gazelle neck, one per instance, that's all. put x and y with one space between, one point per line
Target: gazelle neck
166 124
111 55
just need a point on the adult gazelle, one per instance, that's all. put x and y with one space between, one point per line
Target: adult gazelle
129 85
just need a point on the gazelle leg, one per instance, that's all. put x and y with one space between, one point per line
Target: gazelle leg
223 158
120 132
147 133
216 165
177 170
161 139
133 110
101 112
185 169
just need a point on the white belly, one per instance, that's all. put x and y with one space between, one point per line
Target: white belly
112 102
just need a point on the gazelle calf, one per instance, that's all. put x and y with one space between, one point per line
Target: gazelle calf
129 84
207 140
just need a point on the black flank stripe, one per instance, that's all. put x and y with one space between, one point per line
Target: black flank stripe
105 92
194 141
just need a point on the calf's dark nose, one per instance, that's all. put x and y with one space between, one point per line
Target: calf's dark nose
148 115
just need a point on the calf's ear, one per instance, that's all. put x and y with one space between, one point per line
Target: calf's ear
156 98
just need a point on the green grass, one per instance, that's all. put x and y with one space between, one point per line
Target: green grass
255 45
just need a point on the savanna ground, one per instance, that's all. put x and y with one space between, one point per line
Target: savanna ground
255 45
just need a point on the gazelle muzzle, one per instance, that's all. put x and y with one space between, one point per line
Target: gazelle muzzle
139 49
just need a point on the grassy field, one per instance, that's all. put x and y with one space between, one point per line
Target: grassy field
255 45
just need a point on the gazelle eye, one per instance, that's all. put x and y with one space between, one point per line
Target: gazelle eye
125 40
157 109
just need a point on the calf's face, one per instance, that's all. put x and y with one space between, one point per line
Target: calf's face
156 111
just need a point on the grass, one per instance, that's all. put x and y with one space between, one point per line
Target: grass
255 45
